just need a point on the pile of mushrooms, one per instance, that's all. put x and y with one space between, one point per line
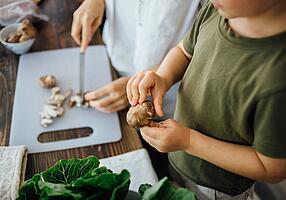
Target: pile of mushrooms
24 32
141 115
54 106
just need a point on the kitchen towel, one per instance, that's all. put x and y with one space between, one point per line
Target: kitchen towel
139 165
13 160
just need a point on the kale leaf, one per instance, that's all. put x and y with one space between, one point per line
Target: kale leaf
76 179
165 190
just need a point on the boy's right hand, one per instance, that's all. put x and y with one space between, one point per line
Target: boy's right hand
86 19
144 84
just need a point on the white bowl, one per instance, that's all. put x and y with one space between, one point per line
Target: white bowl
17 48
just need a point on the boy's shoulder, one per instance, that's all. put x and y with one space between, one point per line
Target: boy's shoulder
272 74
207 12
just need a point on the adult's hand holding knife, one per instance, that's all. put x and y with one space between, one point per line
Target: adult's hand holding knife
86 20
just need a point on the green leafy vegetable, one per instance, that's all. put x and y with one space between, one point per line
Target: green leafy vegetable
165 190
76 179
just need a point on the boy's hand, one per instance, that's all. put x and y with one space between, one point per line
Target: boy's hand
110 98
167 136
86 19
144 84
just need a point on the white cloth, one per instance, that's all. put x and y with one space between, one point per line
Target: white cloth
13 161
137 162
139 33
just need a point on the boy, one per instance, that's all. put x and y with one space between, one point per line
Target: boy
231 111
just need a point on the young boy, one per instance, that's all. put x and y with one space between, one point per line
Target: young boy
231 107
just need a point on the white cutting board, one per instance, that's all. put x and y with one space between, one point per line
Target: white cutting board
30 98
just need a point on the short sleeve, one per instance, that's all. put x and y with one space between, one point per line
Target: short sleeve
190 39
270 126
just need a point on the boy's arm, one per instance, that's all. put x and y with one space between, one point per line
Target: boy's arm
239 159
174 65
158 83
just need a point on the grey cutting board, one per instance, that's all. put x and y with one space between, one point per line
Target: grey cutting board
30 98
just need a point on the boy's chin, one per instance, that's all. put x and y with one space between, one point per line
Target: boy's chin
226 15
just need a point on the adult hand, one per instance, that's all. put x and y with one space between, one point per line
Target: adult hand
147 83
167 136
86 19
110 98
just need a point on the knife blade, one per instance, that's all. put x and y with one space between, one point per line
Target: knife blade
81 72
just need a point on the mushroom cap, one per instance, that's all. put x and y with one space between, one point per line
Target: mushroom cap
27 30
141 115
48 81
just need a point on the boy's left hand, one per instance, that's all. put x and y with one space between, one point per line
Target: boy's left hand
167 136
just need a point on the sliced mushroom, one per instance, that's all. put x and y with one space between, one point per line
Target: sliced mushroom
46 122
54 107
78 100
55 90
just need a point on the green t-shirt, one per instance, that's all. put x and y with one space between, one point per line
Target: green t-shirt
234 90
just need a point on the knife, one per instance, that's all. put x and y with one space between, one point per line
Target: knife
81 72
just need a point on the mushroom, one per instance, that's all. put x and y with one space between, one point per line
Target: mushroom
46 122
54 107
141 114
13 37
78 100
48 81
57 100
24 32
49 112
27 30
55 91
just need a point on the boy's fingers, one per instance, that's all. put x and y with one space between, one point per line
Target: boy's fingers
158 102
153 142
134 88
153 132
158 124
144 87
128 89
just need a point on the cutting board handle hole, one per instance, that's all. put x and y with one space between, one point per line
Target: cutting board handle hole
67 134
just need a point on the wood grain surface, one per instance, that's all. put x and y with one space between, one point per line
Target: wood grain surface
55 34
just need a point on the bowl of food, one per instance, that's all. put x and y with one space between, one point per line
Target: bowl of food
19 37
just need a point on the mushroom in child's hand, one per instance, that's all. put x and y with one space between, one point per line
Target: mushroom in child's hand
48 81
141 115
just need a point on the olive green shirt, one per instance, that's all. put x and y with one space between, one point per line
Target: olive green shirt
234 90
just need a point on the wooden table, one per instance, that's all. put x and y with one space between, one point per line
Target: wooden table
54 34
